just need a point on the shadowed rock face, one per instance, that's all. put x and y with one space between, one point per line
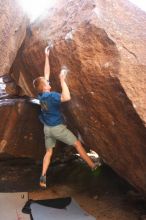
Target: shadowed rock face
103 45
12 32
21 133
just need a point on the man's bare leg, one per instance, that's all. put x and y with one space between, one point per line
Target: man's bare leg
83 154
46 163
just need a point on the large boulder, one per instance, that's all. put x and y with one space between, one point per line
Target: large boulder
103 44
21 133
13 24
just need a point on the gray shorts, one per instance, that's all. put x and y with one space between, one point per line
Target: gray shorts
58 132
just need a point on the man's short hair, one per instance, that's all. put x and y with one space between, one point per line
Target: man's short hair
37 83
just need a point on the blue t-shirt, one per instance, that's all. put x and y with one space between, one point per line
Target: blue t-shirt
50 108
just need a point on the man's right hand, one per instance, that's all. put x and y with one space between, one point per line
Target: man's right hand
47 64
47 51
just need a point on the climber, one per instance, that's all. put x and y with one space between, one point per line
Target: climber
51 117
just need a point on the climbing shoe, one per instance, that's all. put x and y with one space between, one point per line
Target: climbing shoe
43 182
96 170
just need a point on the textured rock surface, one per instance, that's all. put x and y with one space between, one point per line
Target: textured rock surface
103 44
12 32
10 88
21 133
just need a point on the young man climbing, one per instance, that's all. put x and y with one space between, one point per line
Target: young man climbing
51 117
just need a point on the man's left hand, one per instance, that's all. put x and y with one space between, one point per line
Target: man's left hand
62 74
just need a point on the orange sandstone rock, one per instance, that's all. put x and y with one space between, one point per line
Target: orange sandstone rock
103 44
21 133
13 24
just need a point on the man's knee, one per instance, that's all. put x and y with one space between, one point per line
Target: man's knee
77 143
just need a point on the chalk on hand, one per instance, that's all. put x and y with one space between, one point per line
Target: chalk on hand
64 70
50 45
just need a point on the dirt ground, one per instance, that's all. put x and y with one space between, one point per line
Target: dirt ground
106 196
103 208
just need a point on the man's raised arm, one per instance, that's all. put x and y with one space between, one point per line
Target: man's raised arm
47 64
65 95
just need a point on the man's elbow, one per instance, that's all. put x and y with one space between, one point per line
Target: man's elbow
65 98
69 98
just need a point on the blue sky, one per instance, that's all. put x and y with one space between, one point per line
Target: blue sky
140 3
